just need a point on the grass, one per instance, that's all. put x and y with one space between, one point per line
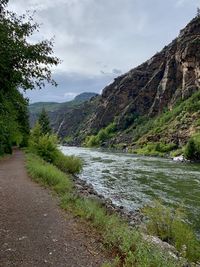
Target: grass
47 174
68 164
125 242
170 225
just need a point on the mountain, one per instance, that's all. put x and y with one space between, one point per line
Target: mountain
155 106
56 110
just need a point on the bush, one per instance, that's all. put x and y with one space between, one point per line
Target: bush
45 146
192 149
155 149
169 225
102 136
69 164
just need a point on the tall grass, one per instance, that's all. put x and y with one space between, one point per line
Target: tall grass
47 174
170 225
125 242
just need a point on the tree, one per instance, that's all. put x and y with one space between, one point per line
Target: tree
198 12
24 65
44 122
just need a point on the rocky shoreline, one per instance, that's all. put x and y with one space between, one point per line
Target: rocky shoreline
134 218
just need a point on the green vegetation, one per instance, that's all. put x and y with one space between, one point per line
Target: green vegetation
192 149
155 149
46 146
170 225
70 164
125 242
14 127
23 65
153 136
47 174
43 120
102 136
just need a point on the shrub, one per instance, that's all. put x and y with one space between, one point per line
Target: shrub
192 149
102 136
155 149
45 146
69 164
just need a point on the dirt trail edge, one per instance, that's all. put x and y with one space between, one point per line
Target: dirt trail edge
34 231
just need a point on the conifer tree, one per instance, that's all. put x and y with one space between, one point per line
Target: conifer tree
44 122
198 12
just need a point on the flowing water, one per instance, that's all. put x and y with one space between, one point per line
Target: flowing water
133 181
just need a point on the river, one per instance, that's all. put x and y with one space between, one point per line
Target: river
133 181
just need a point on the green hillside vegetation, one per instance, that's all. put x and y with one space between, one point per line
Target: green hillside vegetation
171 127
158 136
103 136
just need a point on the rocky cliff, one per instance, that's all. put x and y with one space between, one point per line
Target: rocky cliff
157 84
134 99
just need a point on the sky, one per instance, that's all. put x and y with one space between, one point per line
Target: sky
98 40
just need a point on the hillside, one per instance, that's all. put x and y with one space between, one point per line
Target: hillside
53 106
138 107
56 110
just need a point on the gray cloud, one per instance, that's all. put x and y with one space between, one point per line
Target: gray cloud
70 85
97 38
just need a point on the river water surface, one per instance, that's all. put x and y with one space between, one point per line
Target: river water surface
133 181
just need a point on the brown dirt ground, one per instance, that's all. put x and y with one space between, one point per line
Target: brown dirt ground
34 231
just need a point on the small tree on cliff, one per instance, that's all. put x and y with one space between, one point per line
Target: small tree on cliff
44 122
198 12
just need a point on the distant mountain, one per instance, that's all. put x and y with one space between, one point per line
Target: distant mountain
55 109
84 96
36 108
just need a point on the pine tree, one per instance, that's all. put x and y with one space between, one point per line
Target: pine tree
44 122
198 12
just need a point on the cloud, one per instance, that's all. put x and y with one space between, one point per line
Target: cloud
102 39
116 71
70 85
70 95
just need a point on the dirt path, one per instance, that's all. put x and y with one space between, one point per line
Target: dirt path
33 230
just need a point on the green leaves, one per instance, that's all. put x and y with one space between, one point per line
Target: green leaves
23 63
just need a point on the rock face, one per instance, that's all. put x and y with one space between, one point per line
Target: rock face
68 121
170 75
65 118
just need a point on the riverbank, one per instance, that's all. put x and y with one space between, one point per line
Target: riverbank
85 190
127 243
